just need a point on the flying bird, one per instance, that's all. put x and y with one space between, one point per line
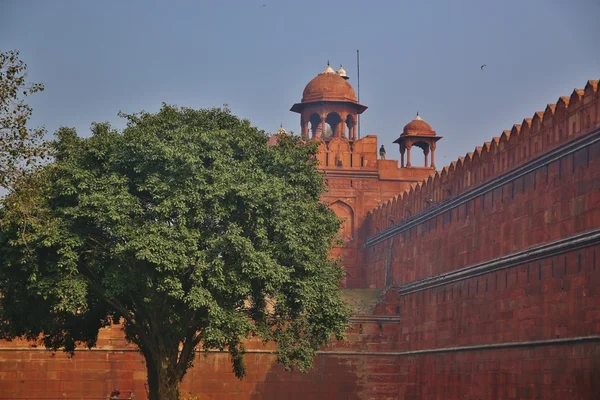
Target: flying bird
484 65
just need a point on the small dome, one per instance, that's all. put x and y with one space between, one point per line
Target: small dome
418 127
281 130
328 69
329 86
342 72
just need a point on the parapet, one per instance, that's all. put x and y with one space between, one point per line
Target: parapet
571 117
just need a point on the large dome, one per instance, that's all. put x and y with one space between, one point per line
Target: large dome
418 127
328 86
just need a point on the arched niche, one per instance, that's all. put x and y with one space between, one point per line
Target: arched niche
339 149
346 215
322 154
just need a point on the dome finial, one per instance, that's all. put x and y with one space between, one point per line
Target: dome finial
342 72
417 118
281 130
328 69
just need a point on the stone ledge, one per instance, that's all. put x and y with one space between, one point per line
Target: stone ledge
530 254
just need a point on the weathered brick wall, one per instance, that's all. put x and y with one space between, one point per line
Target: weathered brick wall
524 331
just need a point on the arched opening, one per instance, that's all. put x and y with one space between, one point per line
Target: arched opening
425 147
315 124
328 131
332 124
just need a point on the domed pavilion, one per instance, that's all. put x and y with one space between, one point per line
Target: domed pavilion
329 107
420 134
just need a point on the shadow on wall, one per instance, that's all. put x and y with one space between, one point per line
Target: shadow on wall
331 378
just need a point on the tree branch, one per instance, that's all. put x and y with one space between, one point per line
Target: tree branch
120 308
189 347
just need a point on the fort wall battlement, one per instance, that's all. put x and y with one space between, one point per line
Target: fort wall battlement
534 184
560 123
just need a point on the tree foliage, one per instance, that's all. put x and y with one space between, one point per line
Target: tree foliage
186 227
19 145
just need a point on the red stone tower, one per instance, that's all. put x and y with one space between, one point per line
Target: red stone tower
357 179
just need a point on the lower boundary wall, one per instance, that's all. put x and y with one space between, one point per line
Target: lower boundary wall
525 326
565 369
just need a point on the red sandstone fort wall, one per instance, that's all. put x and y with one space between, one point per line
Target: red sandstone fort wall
475 210
356 183
543 204
555 297
498 257
351 197
348 370
558 124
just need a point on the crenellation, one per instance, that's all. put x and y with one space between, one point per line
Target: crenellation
504 138
536 128
546 130
561 108
548 117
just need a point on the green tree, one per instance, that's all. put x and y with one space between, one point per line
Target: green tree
186 227
20 146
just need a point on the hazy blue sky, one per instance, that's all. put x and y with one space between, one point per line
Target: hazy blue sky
99 57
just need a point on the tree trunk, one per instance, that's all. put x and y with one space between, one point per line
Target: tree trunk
163 382
166 364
